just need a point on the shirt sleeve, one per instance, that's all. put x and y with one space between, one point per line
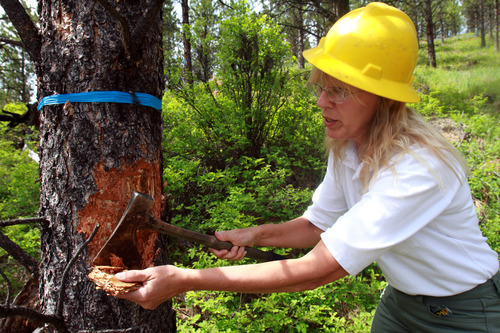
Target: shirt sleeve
328 201
395 207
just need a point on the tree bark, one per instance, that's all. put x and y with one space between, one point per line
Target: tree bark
300 37
431 53
94 155
441 23
340 8
481 23
495 20
186 39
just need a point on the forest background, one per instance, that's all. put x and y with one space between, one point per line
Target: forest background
243 142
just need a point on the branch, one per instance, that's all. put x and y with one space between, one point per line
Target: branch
55 320
11 42
19 255
25 27
14 118
30 117
37 317
8 223
9 288
59 307
297 27
225 4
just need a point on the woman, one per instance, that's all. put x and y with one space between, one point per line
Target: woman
395 192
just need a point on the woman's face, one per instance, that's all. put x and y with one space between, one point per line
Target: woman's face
349 120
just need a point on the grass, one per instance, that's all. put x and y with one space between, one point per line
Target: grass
464 70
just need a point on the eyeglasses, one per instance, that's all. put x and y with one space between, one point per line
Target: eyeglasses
335 95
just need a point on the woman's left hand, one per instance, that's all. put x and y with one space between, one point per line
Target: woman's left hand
158 285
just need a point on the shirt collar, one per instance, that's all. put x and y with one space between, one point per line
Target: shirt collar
351 159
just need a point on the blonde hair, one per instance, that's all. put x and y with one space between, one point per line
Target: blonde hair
393 129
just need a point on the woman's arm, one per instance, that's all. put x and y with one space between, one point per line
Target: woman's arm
298 233
161 283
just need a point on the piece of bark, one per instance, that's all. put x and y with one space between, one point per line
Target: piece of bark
105 279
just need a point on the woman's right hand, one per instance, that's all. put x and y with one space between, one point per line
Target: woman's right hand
240 238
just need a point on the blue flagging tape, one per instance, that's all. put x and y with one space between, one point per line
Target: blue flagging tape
103 97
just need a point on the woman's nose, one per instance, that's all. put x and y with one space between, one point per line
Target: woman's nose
323 100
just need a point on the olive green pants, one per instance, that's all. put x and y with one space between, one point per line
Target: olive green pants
476 310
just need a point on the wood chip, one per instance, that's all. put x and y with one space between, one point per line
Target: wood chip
104 278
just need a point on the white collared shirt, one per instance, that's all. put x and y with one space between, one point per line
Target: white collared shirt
422 232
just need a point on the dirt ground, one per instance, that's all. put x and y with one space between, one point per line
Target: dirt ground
452 131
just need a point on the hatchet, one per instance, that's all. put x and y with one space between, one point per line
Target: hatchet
122 242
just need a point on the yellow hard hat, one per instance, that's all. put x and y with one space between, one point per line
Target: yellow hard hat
373 48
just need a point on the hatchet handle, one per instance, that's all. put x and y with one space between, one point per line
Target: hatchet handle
207 240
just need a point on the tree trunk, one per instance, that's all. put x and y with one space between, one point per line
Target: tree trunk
489 13
300 37
188 64
340 8
495 20
431 53
481 23
441 24
94 155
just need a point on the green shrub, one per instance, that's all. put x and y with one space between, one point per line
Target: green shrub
342 306
19 196
18 187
